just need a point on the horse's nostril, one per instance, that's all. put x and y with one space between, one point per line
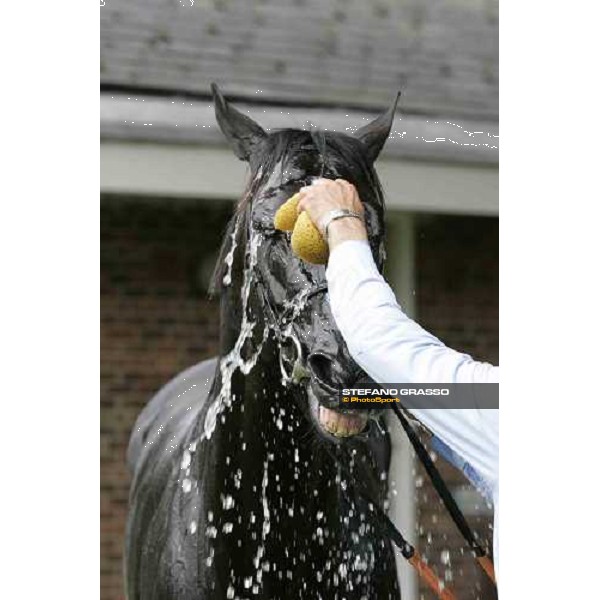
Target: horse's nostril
321 367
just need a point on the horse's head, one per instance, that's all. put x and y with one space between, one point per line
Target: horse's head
289 294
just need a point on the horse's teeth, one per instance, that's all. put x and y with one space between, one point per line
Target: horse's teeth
340 424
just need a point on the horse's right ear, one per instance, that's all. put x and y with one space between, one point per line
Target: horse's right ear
241 131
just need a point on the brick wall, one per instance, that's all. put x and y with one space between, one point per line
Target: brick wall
457 300
457 282
156 256
155 321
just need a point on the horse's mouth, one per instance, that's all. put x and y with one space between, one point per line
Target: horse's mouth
341 424
336 423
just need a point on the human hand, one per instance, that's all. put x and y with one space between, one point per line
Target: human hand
325 195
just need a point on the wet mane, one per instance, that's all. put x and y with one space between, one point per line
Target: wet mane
277 148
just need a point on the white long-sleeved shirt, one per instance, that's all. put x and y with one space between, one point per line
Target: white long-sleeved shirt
390 347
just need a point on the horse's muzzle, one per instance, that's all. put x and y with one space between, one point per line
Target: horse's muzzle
328 378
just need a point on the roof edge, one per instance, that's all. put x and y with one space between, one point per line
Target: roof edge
182 120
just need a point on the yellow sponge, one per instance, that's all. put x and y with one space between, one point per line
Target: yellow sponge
286 215
307 242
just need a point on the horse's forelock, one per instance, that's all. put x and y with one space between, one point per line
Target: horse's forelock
278 147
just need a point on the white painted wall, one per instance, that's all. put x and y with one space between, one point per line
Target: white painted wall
182 170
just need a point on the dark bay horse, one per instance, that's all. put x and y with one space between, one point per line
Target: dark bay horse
244 472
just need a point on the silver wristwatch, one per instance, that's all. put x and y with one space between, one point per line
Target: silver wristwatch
334 215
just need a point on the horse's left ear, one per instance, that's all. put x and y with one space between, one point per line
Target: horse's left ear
375 134
240 130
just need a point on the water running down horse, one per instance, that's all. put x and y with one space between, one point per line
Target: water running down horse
240 463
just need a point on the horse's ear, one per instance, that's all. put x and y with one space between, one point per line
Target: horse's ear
240 130
376 132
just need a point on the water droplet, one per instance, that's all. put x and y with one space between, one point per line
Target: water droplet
211 531
186 460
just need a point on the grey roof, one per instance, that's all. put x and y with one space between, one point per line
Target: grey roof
442 54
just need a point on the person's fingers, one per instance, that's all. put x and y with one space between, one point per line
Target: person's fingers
351 194
324 195
348 192
341 188
307 200
348 187
303 195
345 187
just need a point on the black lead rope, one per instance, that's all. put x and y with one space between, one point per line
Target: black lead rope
442 489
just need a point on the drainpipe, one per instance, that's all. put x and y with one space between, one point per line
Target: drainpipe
400 274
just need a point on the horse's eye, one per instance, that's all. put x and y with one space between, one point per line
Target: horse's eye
268 229
264 226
